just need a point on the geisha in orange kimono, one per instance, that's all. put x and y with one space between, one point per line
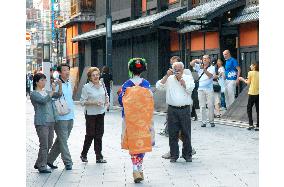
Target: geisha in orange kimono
137 100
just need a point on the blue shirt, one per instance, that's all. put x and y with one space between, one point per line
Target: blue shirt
230 69
127 84
67 94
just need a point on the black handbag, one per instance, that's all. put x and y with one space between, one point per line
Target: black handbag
216 87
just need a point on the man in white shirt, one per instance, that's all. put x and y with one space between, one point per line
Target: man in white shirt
187 72
205 89
178 88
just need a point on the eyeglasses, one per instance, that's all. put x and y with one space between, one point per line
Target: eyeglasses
177 70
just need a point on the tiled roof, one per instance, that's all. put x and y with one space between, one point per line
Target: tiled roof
201 11
248 14
79 18
189 28
129 25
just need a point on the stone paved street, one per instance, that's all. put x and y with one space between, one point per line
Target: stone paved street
226 156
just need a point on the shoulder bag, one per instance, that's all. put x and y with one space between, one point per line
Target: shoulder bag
197 81
61 106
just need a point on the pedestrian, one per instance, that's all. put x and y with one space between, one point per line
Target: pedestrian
221 81
95 99
253 99
178 88
137 101
232 72
64 123
205 88
44 118
28 85
217 91
194 95
106 78
187 72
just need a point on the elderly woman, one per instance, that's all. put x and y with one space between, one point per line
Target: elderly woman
44 118
138 107
95 99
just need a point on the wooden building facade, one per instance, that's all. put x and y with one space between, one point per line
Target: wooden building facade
159 29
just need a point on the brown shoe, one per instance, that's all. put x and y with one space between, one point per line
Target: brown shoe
137 177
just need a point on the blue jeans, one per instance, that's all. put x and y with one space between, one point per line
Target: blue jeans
223 103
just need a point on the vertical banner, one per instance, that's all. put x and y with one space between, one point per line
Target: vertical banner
52 20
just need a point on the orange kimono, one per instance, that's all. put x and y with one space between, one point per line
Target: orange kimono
138 106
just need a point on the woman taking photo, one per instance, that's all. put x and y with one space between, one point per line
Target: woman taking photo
95 99
44 118
137 101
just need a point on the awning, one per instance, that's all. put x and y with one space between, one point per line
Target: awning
210 10
78 18
152 20
248 14
189 28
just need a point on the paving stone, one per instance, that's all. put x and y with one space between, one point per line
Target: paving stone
226 156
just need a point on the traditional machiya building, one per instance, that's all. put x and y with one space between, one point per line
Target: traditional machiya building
210 27
140 29
82 19
159 29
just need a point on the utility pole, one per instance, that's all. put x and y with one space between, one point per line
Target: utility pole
108 35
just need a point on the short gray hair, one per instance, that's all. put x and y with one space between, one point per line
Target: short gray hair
207 56
178 63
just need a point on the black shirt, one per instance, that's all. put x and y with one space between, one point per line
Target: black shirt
107 78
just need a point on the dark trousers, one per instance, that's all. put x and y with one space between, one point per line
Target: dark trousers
193 112
94 131
253 99
179 120
45 135
108 92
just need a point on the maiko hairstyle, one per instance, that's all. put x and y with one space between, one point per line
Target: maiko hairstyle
36 78
91 70
59 68
136 66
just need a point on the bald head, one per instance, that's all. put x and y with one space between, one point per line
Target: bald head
227 54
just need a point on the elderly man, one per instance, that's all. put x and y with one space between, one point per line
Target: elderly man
178 88
187 72
232 73
205 89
